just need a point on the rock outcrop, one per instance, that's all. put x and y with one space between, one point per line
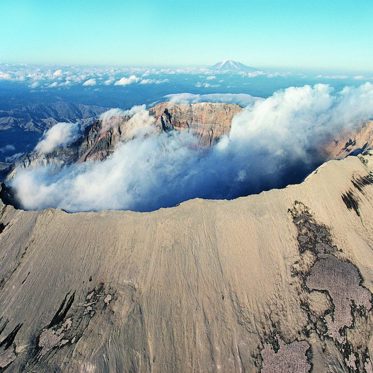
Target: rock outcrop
279 282
207 121
352 143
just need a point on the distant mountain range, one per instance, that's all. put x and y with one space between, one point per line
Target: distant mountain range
39 117
232 66
22 126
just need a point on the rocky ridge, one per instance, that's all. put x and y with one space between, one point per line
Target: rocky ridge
207 121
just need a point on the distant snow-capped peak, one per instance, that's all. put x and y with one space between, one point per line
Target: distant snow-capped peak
231 66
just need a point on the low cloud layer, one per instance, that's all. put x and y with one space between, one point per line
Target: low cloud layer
133 79
127 81
202 77
5 76
60 134
140 121
273 142
241 99
90 83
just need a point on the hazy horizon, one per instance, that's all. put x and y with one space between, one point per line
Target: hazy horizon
294 69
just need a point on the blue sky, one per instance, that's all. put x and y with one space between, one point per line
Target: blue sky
317 34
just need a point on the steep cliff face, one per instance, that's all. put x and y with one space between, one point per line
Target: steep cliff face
279 282
208 121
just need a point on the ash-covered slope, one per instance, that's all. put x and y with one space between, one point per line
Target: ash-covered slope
279 282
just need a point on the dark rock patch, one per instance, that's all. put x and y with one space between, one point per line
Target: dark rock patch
351 201
63 309
345 320
311 235
65 329
290 357
7 346
361 182
2 227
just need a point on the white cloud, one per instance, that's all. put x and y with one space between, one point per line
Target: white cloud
107 116
127 81
332 77
63 83
53 85
296 121
153 81
115 117
205 85
5 76
59 135
253 74
270 141
109 81
140 124
35 84
132 79
90 82
241 99
57 73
